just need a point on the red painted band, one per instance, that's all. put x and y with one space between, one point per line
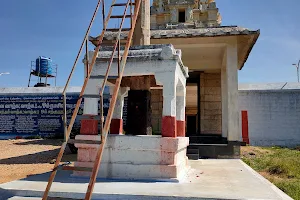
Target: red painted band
89 127
180 128
169 127
116 126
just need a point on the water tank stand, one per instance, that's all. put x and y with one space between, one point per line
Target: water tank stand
42 79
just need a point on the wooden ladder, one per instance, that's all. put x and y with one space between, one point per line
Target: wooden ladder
121 66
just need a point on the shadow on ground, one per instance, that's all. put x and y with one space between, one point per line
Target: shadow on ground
66 177
53 142
40 157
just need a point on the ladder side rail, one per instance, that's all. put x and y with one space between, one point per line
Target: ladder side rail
82 44
117 44
85 84
67 135
30 73
114 50
103 11
86 57
65 117
111 108
94 56
100 39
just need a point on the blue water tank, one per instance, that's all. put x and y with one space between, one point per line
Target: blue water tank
43 66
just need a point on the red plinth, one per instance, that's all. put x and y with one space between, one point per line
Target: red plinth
180 128
89 127
116 126
169 127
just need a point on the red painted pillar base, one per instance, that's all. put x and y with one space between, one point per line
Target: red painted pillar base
169 128
116 126
89 126
180 128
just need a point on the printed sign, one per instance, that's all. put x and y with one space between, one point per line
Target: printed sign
37 115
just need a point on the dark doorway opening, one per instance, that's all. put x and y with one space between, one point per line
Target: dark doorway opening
191 125
181 16
194 80
138 112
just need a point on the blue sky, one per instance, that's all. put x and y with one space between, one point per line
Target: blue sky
56 28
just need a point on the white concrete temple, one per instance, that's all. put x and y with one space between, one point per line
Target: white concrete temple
157 157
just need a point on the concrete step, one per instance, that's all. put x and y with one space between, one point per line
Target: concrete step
192 151
193 156
208 139
215 151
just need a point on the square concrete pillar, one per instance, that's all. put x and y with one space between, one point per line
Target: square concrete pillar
89 126
116 125
232 92
169 123
180 109
224 88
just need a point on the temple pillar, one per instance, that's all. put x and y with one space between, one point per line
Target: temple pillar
89 124
224 89
169 123
116 125
232 91
180 109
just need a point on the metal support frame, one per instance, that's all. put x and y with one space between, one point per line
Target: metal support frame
33 71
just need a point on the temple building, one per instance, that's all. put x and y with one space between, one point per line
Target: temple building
213 54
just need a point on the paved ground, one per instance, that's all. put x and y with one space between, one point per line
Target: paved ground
208 179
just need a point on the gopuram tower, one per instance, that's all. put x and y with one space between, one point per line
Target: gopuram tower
166 14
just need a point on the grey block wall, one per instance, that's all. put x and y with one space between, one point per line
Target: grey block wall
274 116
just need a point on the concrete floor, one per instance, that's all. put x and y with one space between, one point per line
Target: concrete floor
208 179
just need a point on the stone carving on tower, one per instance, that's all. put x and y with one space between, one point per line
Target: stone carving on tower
189 14
174 15
167 14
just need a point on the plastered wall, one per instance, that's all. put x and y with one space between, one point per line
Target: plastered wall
273 116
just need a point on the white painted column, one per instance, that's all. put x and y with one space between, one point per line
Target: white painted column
116 126
180 109
92 88
118 111
224 88
232 91
91 104
169 82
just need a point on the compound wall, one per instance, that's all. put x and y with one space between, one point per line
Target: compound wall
273 115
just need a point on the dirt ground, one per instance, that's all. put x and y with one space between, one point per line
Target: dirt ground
22 158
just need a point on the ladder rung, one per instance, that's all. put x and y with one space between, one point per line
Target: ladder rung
73 141
120 16
102 77
116 29
73 168
122 4
95 96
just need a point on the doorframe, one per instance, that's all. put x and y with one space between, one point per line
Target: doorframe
194 77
